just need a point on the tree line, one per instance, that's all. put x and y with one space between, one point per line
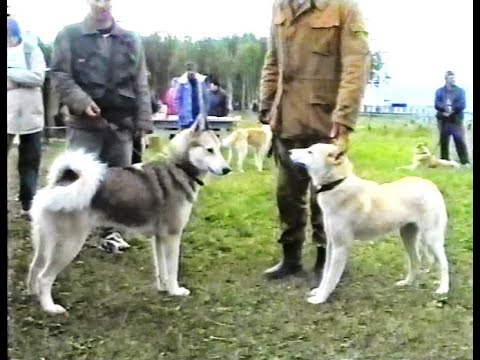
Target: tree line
234 61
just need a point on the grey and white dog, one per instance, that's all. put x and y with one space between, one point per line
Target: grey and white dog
154 199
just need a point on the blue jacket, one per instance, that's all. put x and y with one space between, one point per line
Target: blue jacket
458 102
183 99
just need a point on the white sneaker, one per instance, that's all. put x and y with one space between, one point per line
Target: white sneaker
466 166
113 243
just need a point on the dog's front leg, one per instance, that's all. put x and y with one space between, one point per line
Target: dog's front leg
337 255
159 259
173 258
229 155
242 152
259 160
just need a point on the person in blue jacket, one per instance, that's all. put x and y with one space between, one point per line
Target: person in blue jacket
191 96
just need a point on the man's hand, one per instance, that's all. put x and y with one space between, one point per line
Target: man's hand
340 134
263 116
139 133
92 110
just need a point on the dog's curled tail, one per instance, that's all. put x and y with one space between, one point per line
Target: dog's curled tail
230 139
73 180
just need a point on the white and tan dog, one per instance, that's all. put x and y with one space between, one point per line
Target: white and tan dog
358 209
422 157
258 139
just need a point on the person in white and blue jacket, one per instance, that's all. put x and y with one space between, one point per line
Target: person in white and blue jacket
191 97
26 69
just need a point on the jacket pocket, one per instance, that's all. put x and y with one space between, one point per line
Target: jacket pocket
126 91
358 43
325 33
88 68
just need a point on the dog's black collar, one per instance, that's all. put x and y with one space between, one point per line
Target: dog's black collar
329 186
191 171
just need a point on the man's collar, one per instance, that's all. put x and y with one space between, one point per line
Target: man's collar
307 5
184 78
89 27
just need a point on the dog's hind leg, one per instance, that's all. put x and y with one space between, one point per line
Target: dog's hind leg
38 260
334 268
173 259
435 241
409 234
258 160
262 154
60 249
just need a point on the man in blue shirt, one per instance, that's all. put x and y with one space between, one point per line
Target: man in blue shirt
450 105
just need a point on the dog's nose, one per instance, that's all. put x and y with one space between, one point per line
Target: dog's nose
226 170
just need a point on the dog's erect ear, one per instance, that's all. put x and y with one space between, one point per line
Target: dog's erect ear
200 124
336 157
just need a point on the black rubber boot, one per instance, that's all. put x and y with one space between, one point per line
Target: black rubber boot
290 265
319 264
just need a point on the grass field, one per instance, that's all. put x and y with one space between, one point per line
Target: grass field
233 312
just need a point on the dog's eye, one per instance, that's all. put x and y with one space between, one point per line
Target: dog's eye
210 150
309 152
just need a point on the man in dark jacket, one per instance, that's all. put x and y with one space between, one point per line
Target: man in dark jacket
217 100
99 73
450 105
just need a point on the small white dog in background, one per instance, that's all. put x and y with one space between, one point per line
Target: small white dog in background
258 139
358 209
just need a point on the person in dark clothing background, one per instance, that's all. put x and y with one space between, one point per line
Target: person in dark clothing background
217 100
450 105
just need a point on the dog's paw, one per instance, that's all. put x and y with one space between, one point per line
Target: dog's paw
181 291
317 299
55 309
442 290
32 289
404 283
161 287
314 291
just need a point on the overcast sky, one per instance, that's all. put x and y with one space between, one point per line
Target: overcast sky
421 38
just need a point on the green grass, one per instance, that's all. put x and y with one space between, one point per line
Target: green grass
233 312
